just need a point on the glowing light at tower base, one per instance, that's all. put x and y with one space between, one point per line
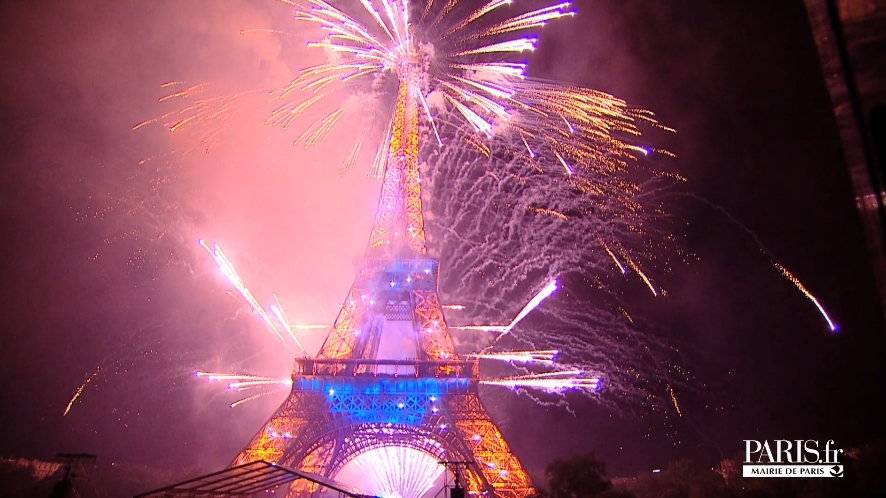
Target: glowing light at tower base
393 472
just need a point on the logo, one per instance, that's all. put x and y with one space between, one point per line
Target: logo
786 458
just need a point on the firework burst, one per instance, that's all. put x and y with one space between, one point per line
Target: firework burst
559 161
466 63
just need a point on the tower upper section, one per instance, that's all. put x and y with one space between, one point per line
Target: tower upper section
398 230
392 312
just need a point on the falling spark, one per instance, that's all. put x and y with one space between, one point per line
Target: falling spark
612 255
549 212
453 306
642 276
790 276
353 155
778 266
528 148
563 162
674 400
571 129
626 314
79 390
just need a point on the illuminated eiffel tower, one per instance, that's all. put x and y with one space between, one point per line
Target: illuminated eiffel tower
388 374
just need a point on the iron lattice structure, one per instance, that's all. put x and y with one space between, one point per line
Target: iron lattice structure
388 373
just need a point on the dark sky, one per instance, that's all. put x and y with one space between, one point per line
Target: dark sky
100 267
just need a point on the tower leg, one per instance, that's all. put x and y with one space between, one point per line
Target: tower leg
491 455
279 440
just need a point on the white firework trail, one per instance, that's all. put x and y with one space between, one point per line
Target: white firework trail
553 381
545 357
227 269
281 316
531 305
244 382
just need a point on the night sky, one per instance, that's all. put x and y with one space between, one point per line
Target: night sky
99 224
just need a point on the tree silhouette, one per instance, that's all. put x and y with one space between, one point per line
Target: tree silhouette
580 476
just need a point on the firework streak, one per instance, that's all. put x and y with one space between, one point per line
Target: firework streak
80 389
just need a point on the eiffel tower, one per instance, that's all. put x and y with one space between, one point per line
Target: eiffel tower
387 373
